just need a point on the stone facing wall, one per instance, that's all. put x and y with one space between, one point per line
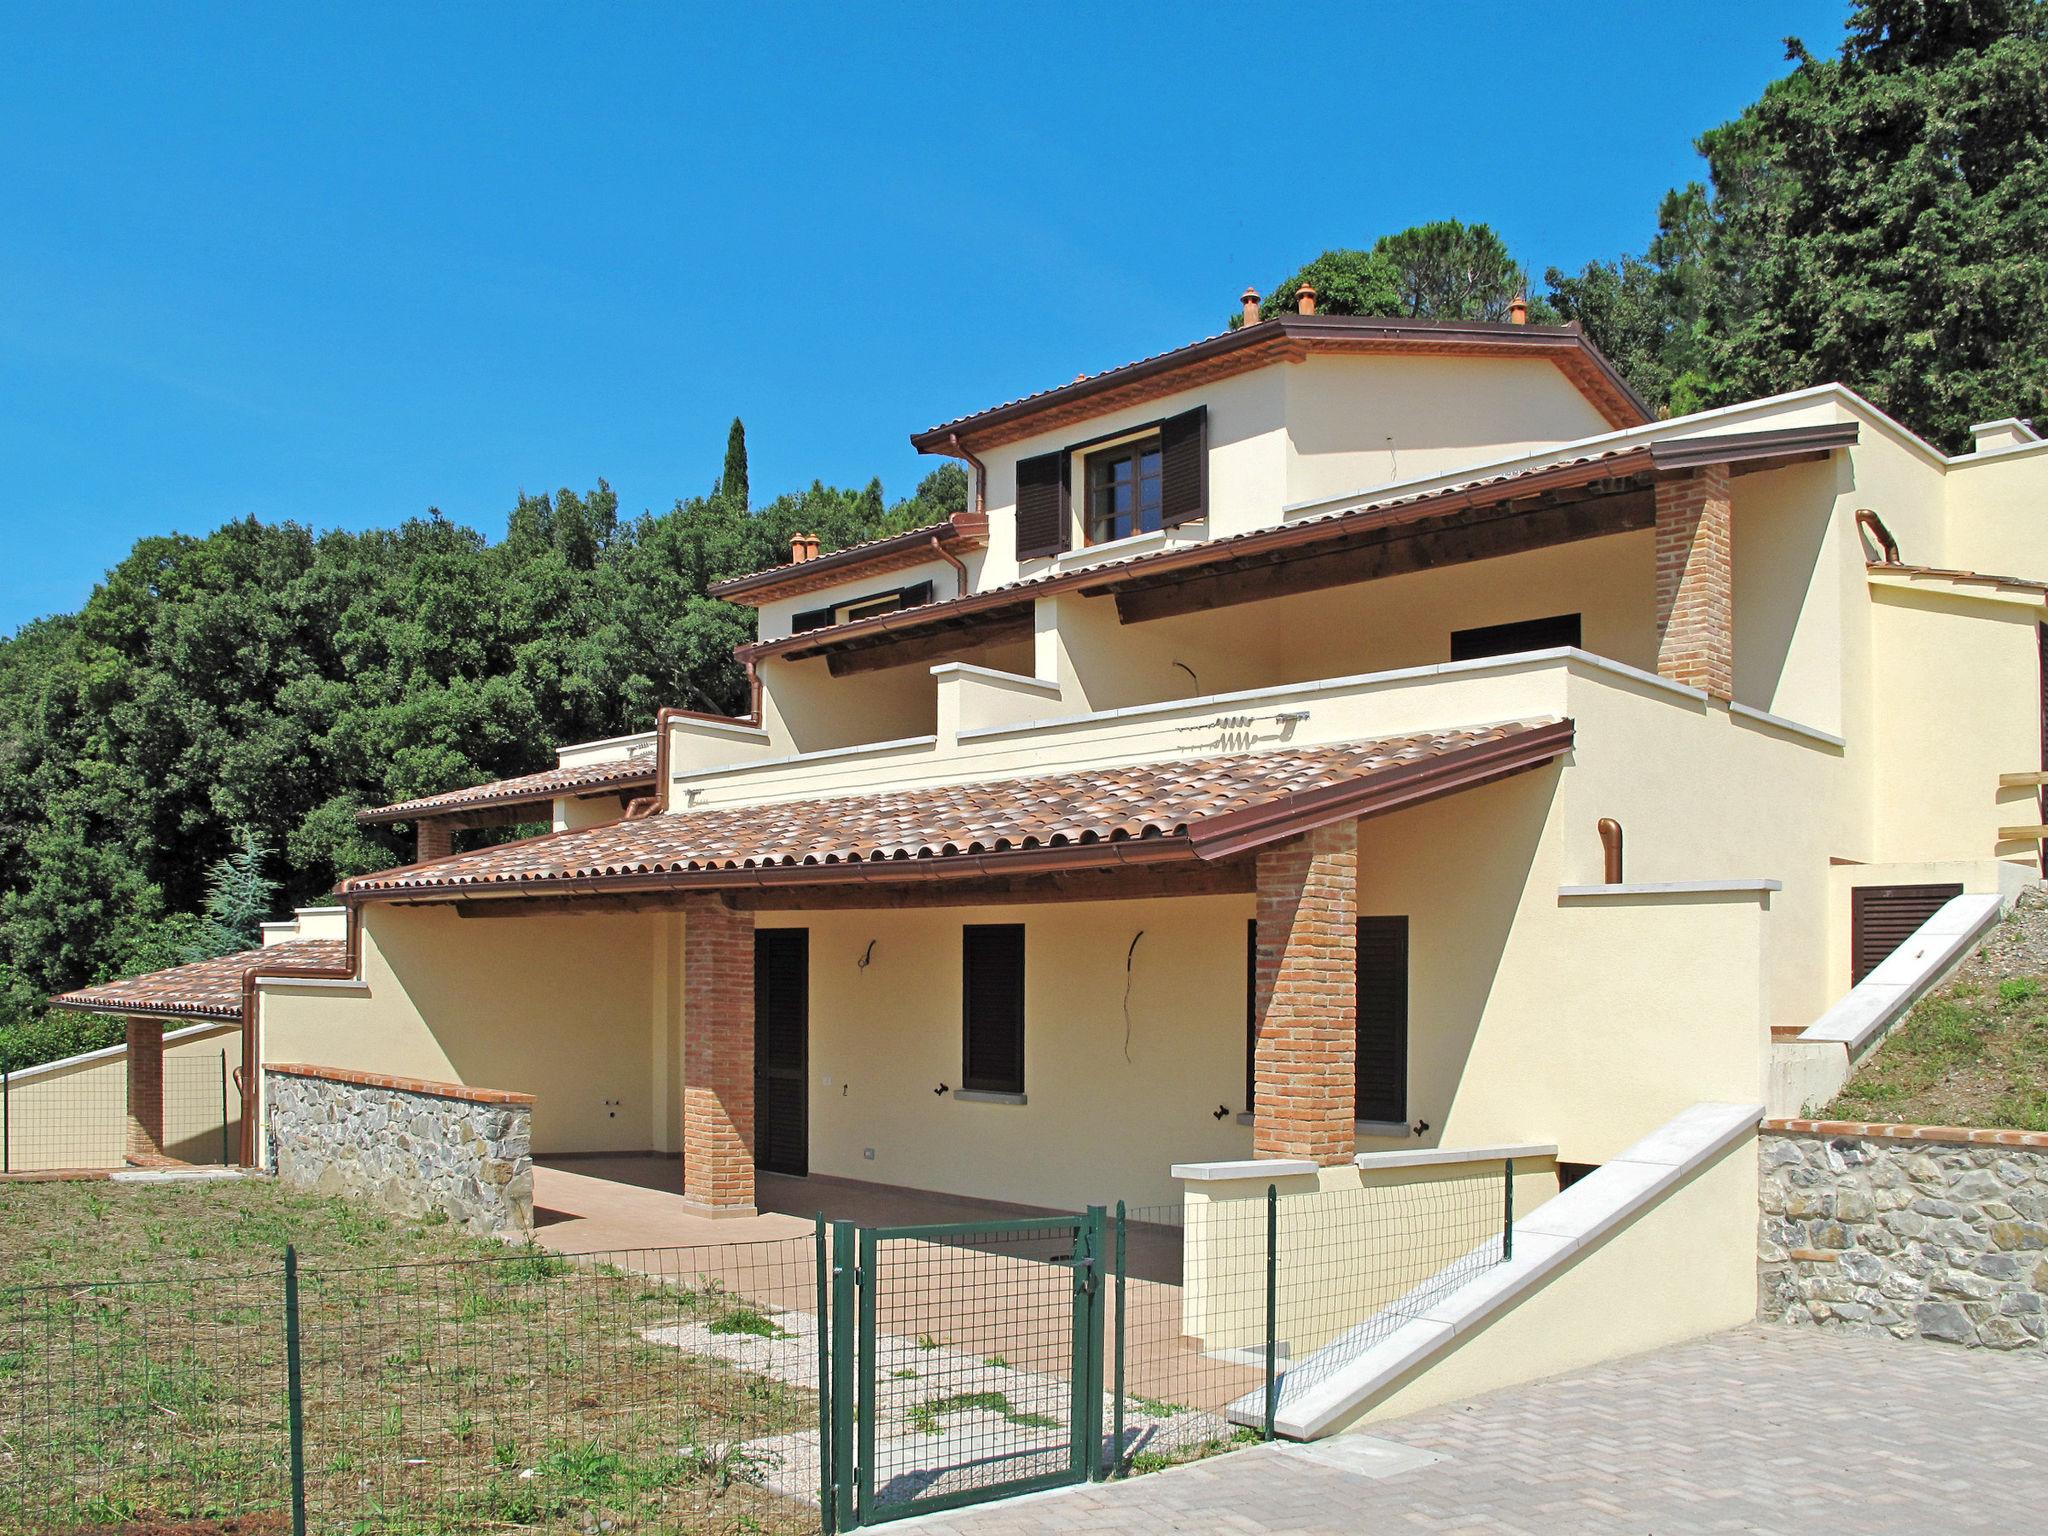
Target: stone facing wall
407 1147
1919 1232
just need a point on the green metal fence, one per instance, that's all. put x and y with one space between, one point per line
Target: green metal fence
814 1383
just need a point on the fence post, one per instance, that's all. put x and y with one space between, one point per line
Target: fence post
1272 1303
840 1443
1098 1298
223 1107
1116 1452
295 1397
825 1380
1507 1229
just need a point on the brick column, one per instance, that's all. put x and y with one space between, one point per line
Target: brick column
145 1137
1696 580
718 1057
1306 998
436 839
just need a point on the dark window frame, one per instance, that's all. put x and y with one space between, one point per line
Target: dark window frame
1135 450
969 1023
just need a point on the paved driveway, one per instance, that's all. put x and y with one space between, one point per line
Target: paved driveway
1778 1430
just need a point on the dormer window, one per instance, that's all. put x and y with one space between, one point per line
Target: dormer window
1124 490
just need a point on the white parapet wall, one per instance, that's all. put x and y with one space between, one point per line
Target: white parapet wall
1806 1072
1653 1247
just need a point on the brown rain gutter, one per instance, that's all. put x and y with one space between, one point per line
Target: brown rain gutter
961 451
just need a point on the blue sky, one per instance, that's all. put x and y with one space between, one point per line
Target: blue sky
341 267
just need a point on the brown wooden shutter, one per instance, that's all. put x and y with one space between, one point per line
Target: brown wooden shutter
992 963
1382 1019
782 1047
1251 1013
1042 510
811 618
1184 467
1882 917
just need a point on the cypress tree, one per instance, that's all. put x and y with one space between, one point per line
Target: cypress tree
732 485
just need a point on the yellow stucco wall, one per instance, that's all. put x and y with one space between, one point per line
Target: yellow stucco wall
564 1008
75 1115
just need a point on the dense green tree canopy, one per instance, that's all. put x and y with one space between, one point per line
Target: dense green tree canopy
1878 218
1441 271
221 707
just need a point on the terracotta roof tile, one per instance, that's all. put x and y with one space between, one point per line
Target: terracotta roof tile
206 989
612 773
1101 805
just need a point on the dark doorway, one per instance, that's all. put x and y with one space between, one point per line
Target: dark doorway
782 1050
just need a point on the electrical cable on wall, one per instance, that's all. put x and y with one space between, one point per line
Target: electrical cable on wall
1127 990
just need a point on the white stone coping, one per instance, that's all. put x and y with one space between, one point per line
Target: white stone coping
1327 1385
718 728
1877 1002
988 1096
1794 727
1016 681
1427 1157
312 983
1244 1168
575 753
116 1052
1669 888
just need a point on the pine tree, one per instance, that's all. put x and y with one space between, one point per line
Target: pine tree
732 485
239 896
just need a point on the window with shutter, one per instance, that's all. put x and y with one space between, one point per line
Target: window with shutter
782 1034
1042 508
1184 474
1251 1013
1382 1019
992 1007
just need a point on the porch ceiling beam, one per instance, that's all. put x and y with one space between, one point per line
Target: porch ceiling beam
893 651
1507 528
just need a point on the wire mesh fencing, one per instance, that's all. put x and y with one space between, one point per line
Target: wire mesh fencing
202 1114
669 1390
1224 1307
64 1117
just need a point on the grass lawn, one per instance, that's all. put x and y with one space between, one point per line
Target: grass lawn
1975 1051
451 1385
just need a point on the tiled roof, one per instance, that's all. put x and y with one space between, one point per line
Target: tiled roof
1191 798
206 989
612 773
895 551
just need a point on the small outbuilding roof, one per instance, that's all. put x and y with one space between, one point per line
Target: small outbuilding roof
205 989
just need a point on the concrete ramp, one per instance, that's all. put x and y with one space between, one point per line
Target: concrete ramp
1655 1246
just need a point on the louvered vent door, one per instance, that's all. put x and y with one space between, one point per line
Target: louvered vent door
1882 917
992 967
782 1050
1383 1019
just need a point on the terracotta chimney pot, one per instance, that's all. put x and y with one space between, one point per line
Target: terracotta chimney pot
813 546
1251 306
1305 298
1518 310
798 553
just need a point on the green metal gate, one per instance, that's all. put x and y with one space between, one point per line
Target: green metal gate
966 1363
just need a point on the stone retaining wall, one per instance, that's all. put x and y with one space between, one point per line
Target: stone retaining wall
1915 1231
404 1146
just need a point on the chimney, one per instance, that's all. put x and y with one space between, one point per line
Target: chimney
813 546
1518 310
799 548
1305 298
1251 306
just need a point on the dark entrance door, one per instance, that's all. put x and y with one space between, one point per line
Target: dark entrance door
782 1050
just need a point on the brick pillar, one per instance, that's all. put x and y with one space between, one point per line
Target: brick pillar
1306 998
436 840
145 1088
1696 581
718 1057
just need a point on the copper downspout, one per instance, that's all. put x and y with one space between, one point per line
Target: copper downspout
1610 847
980 475
1867 519
945 554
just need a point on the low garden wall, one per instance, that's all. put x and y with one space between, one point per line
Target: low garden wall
405 1146
1916 1231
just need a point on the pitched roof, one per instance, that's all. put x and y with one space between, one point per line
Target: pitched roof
1760 449
206 989
1198 807
581 778
897 551
1284 338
